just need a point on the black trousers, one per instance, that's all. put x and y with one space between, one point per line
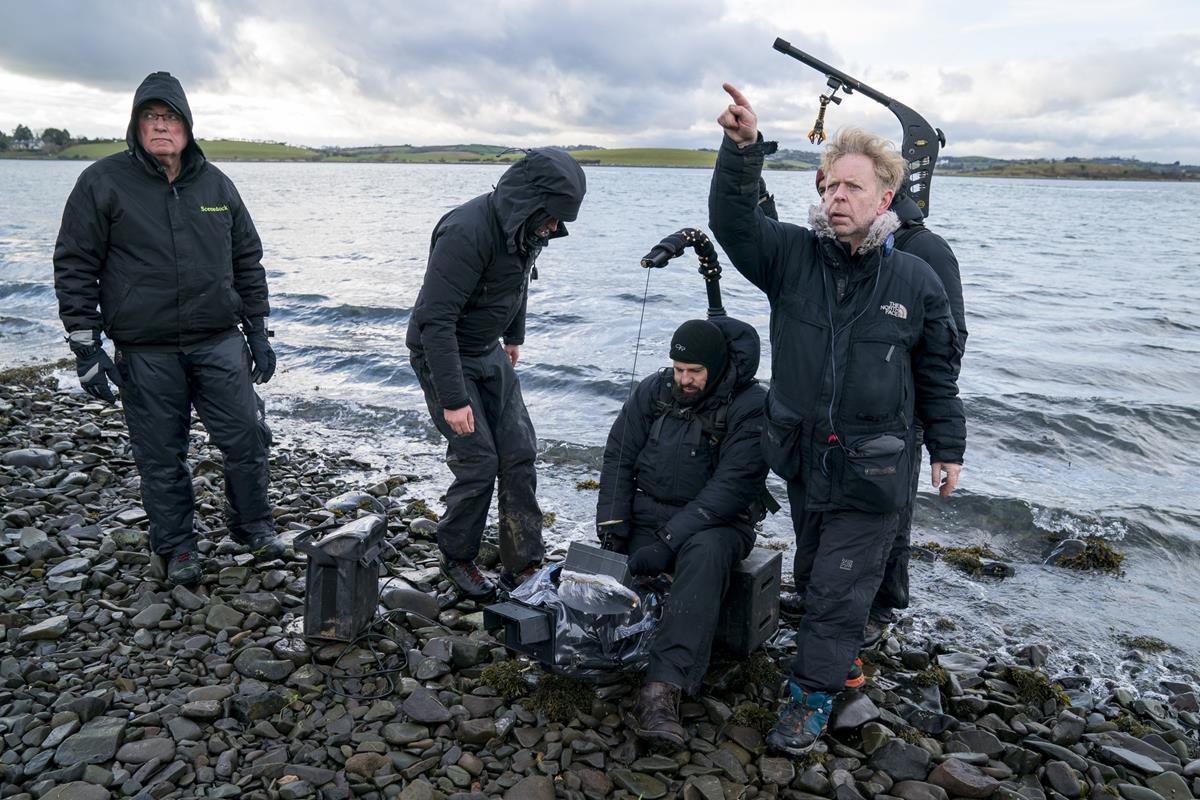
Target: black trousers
683 643
894 588
504 447
159 391
840 557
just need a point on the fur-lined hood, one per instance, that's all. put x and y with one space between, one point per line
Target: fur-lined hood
884 226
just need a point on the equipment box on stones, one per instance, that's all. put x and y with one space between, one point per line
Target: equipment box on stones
750 613
342 584
527 630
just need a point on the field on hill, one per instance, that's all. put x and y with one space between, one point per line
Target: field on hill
216 149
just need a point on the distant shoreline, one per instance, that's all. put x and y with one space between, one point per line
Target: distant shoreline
655 158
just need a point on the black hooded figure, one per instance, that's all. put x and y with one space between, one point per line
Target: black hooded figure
475 290
681 490
157 250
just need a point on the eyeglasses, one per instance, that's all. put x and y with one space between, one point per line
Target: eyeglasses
169 117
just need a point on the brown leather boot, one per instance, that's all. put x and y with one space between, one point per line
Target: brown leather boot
657 712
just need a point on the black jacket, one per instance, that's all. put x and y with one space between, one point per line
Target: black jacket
913 237
840 412
477 280
664 473
157 265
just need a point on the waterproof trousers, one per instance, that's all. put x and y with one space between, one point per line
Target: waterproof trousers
684 640
893 589
504 447
840 558
159 391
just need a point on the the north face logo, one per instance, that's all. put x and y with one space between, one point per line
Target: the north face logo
894 309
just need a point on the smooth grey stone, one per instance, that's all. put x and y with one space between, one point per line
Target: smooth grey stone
918 790
202 710
423 706
1063 779
260 663
46 630
404 733
1076 761
67 583
1128 758
184 729
222 617
901 760
1066 549
217 692
637 784
69 567
296 790
962 664
264 604
35 457
151 615
144 750
979 741
77 790
477 731
260 705
95 743
854 711
317 776
1192 770
779 771
1170 785
1131 791
1068 729
963 780
411 600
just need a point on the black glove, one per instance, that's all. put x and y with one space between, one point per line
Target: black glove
261 353
611 539
653 559
93 366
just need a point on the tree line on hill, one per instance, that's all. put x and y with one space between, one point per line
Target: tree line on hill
47 140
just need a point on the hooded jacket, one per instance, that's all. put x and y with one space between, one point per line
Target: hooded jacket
860 344
664 472
477 279
913 237
157 265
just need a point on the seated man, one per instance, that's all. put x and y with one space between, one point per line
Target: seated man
681 490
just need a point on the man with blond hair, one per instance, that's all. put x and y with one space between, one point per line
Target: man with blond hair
863 341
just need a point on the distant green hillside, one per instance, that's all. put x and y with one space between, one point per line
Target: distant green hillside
216 149
647 157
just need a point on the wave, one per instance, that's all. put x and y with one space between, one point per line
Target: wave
25 290
344 313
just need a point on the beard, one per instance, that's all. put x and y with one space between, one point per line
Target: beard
683 398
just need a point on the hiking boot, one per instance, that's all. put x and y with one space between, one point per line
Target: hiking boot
511 580
855 679
791 605
470 581
264 546
657 712
803 719
183 569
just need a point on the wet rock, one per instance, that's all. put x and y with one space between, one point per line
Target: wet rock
222 617
95 743
1170 785
260 663
144 750
638 784
151 615
976 741
963 780
1192 770
964 665
77 790
254 706
918 790
423 706
410 599
1128 758
37 458
405 733
1072 758
46 630
902 761
776 770
1063 779
366 764
296 790
854 710
594 784
1131 791
535 787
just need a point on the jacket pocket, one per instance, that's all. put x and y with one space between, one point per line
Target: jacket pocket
783 440
876 473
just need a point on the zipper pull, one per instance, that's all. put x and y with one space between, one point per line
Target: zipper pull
174 192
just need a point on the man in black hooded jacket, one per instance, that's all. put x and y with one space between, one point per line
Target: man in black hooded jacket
157 250
681 491
863 342
475 291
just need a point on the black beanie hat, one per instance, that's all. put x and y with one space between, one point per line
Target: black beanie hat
698 341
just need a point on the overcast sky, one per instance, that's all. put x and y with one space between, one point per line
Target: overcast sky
1007 78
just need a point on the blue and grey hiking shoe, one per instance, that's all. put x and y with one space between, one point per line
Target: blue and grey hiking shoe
802 721
183 569
264 546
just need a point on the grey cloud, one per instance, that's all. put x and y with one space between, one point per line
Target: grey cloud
108 45
955 82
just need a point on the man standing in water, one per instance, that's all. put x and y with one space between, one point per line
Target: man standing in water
862 339
157 250
475 291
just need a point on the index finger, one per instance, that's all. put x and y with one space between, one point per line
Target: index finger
737 96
